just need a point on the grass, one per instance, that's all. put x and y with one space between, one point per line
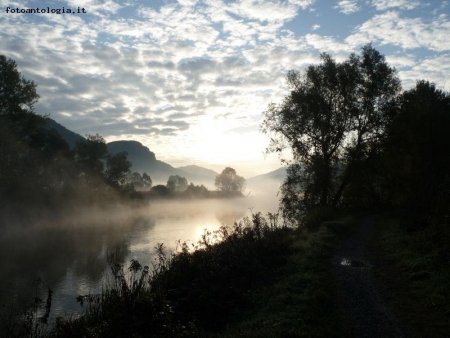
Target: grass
412 271
300 302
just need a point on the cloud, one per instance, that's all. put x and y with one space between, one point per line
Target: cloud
95 7
303 4
186 68
434 69
264 10
382 5
408 33
401 61
326 43
348 6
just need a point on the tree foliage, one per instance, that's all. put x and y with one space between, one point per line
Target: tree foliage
229 181
17 95
333 121
416 168
91 153
177 183
141 182
117 170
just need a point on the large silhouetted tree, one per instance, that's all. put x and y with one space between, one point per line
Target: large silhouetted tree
20 129
332 120
229 181
417 150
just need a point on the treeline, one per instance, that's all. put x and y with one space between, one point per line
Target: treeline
228 183
38 168
359 141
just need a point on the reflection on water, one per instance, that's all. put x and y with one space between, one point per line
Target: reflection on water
69 255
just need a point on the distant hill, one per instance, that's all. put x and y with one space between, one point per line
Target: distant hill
69 136
200 172
277 176
143 159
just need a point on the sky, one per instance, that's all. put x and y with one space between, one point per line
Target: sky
190 79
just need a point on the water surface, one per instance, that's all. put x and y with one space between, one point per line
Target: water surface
69 254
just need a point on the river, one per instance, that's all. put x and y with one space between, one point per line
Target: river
69 255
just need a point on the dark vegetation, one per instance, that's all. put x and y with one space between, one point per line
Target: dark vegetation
410 268
358 143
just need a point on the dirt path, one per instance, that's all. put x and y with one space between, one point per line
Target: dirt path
364 312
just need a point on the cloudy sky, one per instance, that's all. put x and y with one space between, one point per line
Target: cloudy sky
190 79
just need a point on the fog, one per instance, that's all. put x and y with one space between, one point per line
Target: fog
68 250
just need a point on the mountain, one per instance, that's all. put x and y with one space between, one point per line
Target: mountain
69 136
277 176
144 160
200 172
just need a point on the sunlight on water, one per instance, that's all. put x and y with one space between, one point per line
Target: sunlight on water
69 254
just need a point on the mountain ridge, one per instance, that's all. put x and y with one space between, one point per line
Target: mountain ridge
144 160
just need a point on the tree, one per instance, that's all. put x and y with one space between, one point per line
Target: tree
177 183
196 191
160 191
117 169
147 181
91 153
140 181
17 95
416 168
21 132
332 120
229 181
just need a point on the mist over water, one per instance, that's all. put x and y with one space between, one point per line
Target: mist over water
68 252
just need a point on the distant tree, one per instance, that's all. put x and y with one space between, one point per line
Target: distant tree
332 120
177 183
160 191
229 181
117 169
147 181
140 181
196 190
91 153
